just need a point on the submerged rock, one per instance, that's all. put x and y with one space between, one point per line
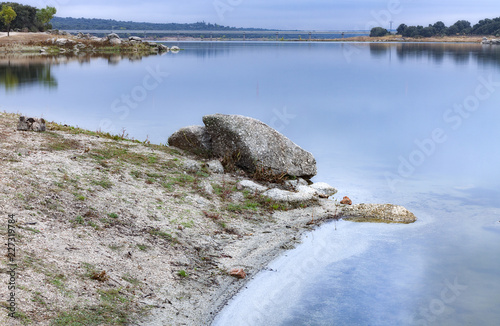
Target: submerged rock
27 124
374 212
258 146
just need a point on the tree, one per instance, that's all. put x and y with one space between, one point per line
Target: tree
461 27
7 14
401 29
45 15
439 28
378 32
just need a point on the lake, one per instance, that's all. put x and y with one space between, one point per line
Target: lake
412 124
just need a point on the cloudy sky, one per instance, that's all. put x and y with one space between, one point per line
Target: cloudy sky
281 14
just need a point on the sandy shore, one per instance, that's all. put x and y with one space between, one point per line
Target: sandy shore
113 232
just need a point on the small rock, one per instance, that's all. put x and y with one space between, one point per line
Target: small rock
175 49
238 273
304 194
247 184
191 165
207 187
27 124
135 39
346 201
215 166
324 190
115 41
61 41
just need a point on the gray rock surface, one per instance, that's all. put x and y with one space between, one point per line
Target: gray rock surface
115 41
304 194
387 212
250 185
194 139
31 124
192 165
258 145
324 190
135 39
215 166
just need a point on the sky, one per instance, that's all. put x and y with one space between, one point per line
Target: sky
281 14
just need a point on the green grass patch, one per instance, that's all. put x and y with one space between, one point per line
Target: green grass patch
105 183
113 215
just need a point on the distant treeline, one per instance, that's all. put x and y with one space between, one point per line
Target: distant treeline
461 27
28 18
109 24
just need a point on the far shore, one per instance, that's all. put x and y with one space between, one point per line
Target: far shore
31 42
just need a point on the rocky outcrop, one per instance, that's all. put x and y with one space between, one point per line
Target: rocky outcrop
257 146
31 124
490 42
194 139
377 212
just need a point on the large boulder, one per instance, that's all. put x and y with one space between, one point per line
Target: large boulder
257 146
378 212
194 139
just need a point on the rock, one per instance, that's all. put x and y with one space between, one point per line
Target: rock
191 165
162 48
61 41
346 201
194 139
215 166
238 273
115 41
237 197
175 49
304 194
386 212
324 190
135 39
112 36
293 184
258 146
27 124
247 184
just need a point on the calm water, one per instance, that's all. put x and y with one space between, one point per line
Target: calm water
411 124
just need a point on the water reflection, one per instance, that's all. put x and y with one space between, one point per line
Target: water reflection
459 53
17 74
19 71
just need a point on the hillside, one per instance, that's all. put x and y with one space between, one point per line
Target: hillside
69 23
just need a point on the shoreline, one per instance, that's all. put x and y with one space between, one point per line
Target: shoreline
164 229
163 237
20 42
